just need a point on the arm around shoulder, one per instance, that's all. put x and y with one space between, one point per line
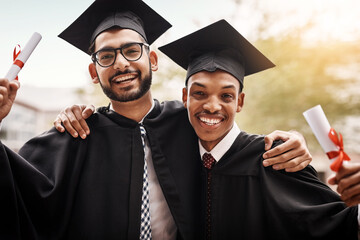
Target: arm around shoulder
293 155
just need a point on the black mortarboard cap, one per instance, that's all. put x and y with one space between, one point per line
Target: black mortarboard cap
217 46
105 14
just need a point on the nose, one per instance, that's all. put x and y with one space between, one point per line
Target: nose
120 62
212 105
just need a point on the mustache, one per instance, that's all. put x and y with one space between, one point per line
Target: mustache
217 113
121 73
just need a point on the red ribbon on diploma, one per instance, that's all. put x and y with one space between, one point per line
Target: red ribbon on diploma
16 61
340 154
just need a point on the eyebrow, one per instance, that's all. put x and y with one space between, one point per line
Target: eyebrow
229 86
199 85
224 87
107 47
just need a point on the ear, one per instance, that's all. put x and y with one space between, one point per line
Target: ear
184 96
153 60
93 73
240 103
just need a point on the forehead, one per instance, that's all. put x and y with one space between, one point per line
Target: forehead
219 79
116 37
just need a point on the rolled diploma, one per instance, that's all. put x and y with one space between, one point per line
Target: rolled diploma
320 126
24 55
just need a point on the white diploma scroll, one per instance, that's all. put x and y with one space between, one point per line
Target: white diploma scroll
23 56
320 126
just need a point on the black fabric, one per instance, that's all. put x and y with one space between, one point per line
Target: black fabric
91 189
253 202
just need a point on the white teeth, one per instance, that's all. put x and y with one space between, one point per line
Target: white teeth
124 78
210 121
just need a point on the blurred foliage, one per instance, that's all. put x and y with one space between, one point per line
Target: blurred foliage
304 77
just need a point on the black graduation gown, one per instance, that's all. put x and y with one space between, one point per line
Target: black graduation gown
253 202
59 187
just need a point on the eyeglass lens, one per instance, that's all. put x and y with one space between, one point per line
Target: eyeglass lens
130 52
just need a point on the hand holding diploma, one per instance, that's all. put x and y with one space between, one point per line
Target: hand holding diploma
330 141
9 87
348 181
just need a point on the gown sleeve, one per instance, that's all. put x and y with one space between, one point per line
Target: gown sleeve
35 179
300 206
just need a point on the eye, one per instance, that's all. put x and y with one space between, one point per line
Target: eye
200 93
227 97
131 50
105 55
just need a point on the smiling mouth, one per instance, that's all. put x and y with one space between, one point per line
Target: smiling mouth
210 121
124 78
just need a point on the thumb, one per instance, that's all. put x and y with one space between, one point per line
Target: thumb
268 142
14 87
332 180
88 111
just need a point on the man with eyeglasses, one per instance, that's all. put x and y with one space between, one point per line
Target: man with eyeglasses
139 153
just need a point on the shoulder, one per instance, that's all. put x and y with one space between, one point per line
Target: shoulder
168 111
253 142
244 155
53 139
99 120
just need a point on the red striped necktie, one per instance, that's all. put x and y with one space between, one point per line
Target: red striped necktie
208 162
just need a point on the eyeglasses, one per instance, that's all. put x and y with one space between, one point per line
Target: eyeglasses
131 52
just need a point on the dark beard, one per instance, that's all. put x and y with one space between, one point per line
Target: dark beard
145 85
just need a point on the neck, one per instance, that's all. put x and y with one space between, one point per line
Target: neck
135 110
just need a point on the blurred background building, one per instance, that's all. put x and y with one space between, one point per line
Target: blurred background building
34 112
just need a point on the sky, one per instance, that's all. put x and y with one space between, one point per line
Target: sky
55 63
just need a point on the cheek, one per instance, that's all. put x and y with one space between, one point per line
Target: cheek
103 73
193 105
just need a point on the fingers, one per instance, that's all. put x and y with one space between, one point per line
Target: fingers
63 118
332 180
347 169
14 87
4 85
275 135
284 148
73 119
88 111
297 166
77 122
57 124
288 162
292 155
353 201
349 192
8 90
348 182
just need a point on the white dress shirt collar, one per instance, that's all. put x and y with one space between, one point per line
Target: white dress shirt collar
224 145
